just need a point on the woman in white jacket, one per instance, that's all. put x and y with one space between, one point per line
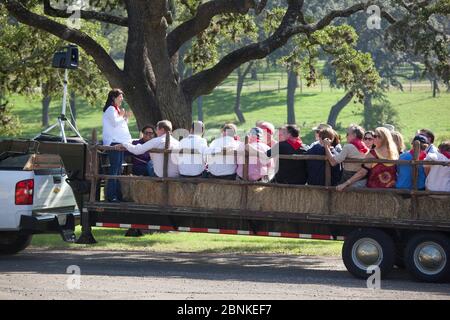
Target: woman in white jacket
115 131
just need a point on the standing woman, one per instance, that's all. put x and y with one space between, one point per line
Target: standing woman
115 131
379 175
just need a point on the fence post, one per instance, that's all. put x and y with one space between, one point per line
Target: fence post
166 156
327 173
246 160
415 173
86 236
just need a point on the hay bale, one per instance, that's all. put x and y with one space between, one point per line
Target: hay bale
204 195
433 208
147 192
218 196
127 189
302 200
370 205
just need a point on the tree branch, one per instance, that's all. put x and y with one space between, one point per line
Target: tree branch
105 63
87 15
205 81
205 13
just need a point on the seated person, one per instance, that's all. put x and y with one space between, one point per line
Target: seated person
316 168
259 164
399 141
223 166
193 165
268 132
368 139
405 171
430 136
438 176
316 132
379 175
354 149
163 128
142 164
290 143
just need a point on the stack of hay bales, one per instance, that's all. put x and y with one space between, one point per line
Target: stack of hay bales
302 200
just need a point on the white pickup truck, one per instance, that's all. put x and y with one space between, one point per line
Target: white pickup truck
34 198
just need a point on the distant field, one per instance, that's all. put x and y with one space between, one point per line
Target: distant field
417 109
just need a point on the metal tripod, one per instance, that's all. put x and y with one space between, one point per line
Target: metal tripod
62 119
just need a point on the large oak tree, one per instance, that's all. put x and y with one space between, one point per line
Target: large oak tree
150 78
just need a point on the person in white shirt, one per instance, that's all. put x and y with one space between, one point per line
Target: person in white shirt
163 128
438 176
220 166
193 165
115 132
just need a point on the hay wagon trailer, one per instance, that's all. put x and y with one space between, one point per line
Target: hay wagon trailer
379 227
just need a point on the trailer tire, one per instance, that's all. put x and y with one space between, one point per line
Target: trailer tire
427 257
367 247
14 242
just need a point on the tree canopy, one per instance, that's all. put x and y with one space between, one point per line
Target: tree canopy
158 30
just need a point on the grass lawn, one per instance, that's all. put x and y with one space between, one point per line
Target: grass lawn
113 239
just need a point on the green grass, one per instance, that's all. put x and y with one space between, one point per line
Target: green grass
417 109
113 239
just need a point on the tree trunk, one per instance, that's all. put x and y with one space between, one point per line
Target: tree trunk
200 108
292 86
435 87
239 86
367 108
73 109
45 110
337 108
254 74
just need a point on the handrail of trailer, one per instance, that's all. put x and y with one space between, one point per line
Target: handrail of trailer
95 177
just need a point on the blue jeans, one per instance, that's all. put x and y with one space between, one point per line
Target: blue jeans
113 191
150 170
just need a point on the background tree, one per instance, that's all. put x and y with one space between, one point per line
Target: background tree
156 34
27 56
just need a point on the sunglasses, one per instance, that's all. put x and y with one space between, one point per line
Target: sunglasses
149 133
368 138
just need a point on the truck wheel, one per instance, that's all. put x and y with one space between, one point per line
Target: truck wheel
368 247
427 257
13 242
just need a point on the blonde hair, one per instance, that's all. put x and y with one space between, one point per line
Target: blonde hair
387 141
164 124
398 139
229 129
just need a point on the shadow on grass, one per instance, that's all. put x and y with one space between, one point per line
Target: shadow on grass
221 103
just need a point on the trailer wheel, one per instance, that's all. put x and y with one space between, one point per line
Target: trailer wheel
368 247
427 257
13 242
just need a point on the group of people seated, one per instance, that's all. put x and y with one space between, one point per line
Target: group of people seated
261 158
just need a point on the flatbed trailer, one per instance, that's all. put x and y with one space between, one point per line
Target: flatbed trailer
379 227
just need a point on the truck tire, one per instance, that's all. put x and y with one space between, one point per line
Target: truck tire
13 242
368 247
427 257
